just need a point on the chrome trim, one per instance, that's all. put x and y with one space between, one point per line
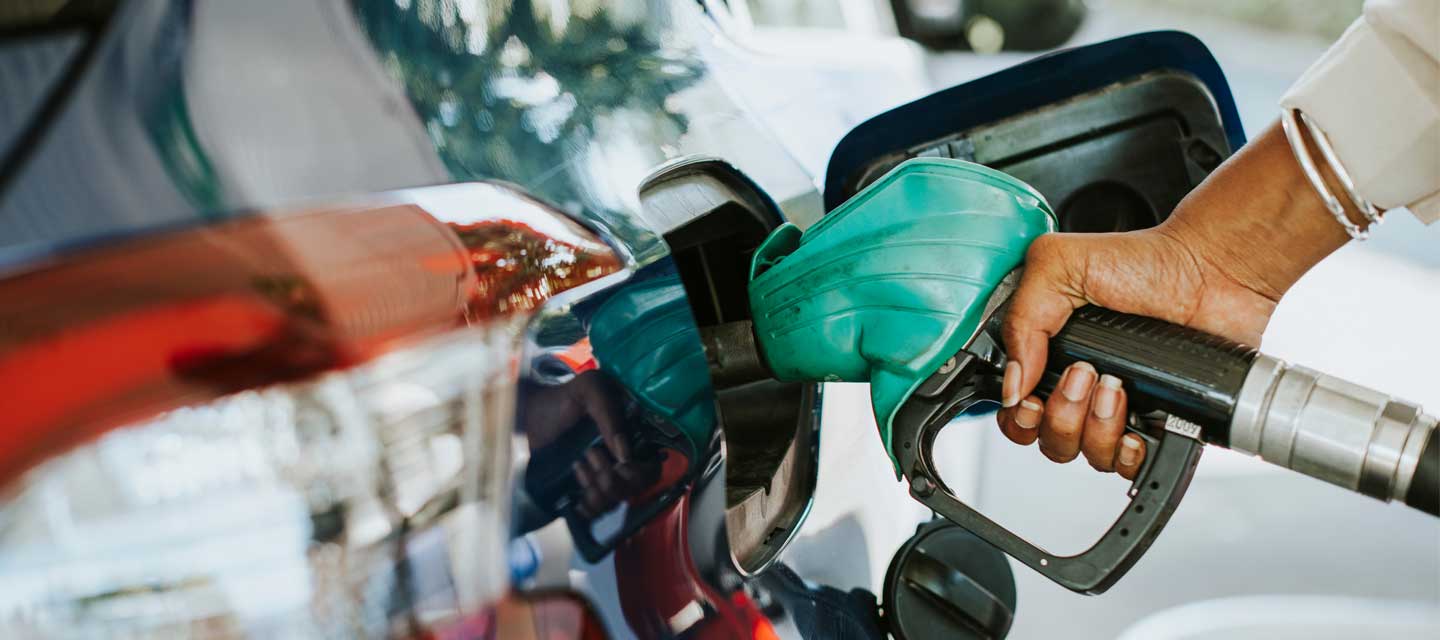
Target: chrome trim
1328 428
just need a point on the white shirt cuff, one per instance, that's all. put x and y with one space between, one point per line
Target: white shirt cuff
1377 98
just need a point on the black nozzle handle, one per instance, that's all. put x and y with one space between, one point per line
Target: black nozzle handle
1165 474
1165 367
1230 395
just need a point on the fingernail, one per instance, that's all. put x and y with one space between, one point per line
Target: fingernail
1010 388
1106 397
1077 381
1028 415
1129 450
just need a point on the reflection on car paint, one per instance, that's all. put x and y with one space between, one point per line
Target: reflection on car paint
667 597
628 429
575 104
364 503
644 334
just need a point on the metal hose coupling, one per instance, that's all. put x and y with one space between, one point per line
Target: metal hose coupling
1327 428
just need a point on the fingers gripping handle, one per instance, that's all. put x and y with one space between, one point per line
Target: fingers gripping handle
1230 395
1165 367
1158 488
1156 493
1201 387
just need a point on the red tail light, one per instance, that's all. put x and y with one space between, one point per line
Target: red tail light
117 334
317 415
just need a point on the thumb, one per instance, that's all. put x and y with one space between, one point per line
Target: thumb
1038 311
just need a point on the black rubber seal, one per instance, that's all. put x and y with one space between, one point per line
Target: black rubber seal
1424 493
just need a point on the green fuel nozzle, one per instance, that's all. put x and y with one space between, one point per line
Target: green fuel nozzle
890 285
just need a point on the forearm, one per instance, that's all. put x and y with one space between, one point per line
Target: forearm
1257 220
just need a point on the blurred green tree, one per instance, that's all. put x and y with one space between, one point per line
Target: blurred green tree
509 93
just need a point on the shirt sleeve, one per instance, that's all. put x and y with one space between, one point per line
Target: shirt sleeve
1376 94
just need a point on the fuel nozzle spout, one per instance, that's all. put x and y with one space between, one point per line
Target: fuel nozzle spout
733 354
889 285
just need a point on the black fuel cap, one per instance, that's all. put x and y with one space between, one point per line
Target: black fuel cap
947 583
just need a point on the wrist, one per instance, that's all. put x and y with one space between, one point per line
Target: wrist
1309 145
1257 220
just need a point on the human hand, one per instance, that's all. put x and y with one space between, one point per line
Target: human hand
1151 273
604 476
1219 264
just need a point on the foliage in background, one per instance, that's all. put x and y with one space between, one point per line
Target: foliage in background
517 90
538 86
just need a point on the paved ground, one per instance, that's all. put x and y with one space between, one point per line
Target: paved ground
1368 313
